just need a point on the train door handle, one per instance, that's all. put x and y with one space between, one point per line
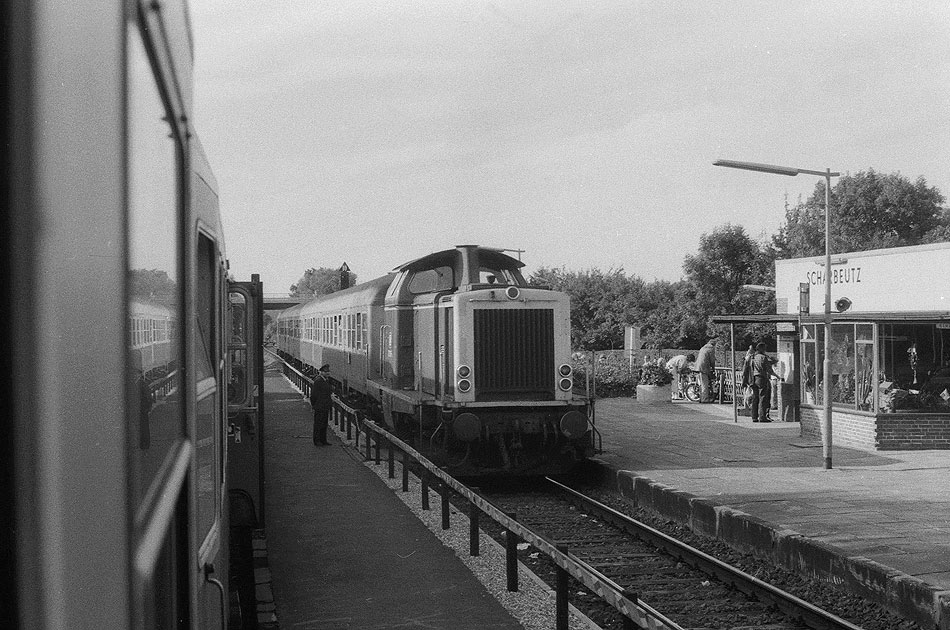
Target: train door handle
235 432
208 570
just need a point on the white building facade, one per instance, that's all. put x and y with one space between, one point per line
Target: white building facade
889 345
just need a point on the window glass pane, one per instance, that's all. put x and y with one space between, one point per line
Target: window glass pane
864 375
430 280
237 352
842 364
810 366
820 364
914 371
155 413
206 386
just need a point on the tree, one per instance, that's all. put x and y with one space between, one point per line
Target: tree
727 259
602 303
868 211
153 285
320 281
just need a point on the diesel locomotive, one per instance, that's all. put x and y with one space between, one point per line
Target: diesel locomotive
128 364
455 352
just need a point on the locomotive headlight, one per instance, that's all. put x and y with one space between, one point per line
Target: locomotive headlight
565 370
512 293
464 385
464 371
566 384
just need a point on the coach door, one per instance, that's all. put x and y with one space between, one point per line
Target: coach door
245 403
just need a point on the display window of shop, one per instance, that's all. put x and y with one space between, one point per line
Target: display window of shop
911 373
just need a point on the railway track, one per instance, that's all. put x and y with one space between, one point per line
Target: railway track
690 587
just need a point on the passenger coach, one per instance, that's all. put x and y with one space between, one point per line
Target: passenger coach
457 352
114 473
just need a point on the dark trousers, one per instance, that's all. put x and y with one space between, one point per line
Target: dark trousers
761 397
321 420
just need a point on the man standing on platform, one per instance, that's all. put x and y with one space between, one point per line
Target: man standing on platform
762 372
320 401
706 365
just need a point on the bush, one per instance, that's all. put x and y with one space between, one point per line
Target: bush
612 376
653 374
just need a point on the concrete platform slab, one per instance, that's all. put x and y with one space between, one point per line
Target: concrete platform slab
343 551
887 508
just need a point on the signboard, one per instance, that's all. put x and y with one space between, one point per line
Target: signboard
902 279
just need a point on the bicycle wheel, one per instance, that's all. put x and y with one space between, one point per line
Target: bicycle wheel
692 392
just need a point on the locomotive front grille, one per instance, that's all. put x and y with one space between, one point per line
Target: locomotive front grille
514 354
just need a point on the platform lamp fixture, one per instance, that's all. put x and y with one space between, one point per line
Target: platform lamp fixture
827 174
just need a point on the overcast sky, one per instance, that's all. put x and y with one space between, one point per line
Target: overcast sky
582 132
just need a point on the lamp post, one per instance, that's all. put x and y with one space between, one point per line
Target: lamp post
826 364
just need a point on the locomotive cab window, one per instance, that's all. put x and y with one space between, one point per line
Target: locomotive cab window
432 280
496 276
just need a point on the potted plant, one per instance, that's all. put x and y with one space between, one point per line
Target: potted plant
654 385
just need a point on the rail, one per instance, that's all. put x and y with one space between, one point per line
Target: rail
789 604
347 418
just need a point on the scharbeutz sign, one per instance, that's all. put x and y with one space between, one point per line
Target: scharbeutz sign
903 279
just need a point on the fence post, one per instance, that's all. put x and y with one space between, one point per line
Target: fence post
511 556
356 445
392 461
560 610
369 443
424 481
473 529
378 437
349 427
405 471
444 489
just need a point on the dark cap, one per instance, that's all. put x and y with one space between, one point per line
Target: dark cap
325 367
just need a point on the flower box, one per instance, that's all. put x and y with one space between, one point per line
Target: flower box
652 394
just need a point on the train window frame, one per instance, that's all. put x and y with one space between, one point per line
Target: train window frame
208 388
158 516
139 50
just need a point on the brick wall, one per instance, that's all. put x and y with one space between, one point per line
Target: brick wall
885 432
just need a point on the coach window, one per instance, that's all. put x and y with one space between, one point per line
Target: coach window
155 410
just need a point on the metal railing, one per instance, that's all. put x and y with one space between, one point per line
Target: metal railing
352 421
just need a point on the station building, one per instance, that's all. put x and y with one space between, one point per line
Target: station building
889 346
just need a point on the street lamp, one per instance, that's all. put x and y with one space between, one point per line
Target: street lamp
827 174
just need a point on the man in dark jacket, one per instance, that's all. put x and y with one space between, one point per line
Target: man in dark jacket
762 372
320 401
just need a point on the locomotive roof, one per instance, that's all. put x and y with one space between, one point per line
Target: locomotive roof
488 256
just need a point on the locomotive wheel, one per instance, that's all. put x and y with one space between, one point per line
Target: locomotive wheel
692 392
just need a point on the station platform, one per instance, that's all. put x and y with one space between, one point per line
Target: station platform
878 522
343 550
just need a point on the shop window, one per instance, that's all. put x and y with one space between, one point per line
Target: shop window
813 355
914 368
841 347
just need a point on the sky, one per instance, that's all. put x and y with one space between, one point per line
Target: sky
583 133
